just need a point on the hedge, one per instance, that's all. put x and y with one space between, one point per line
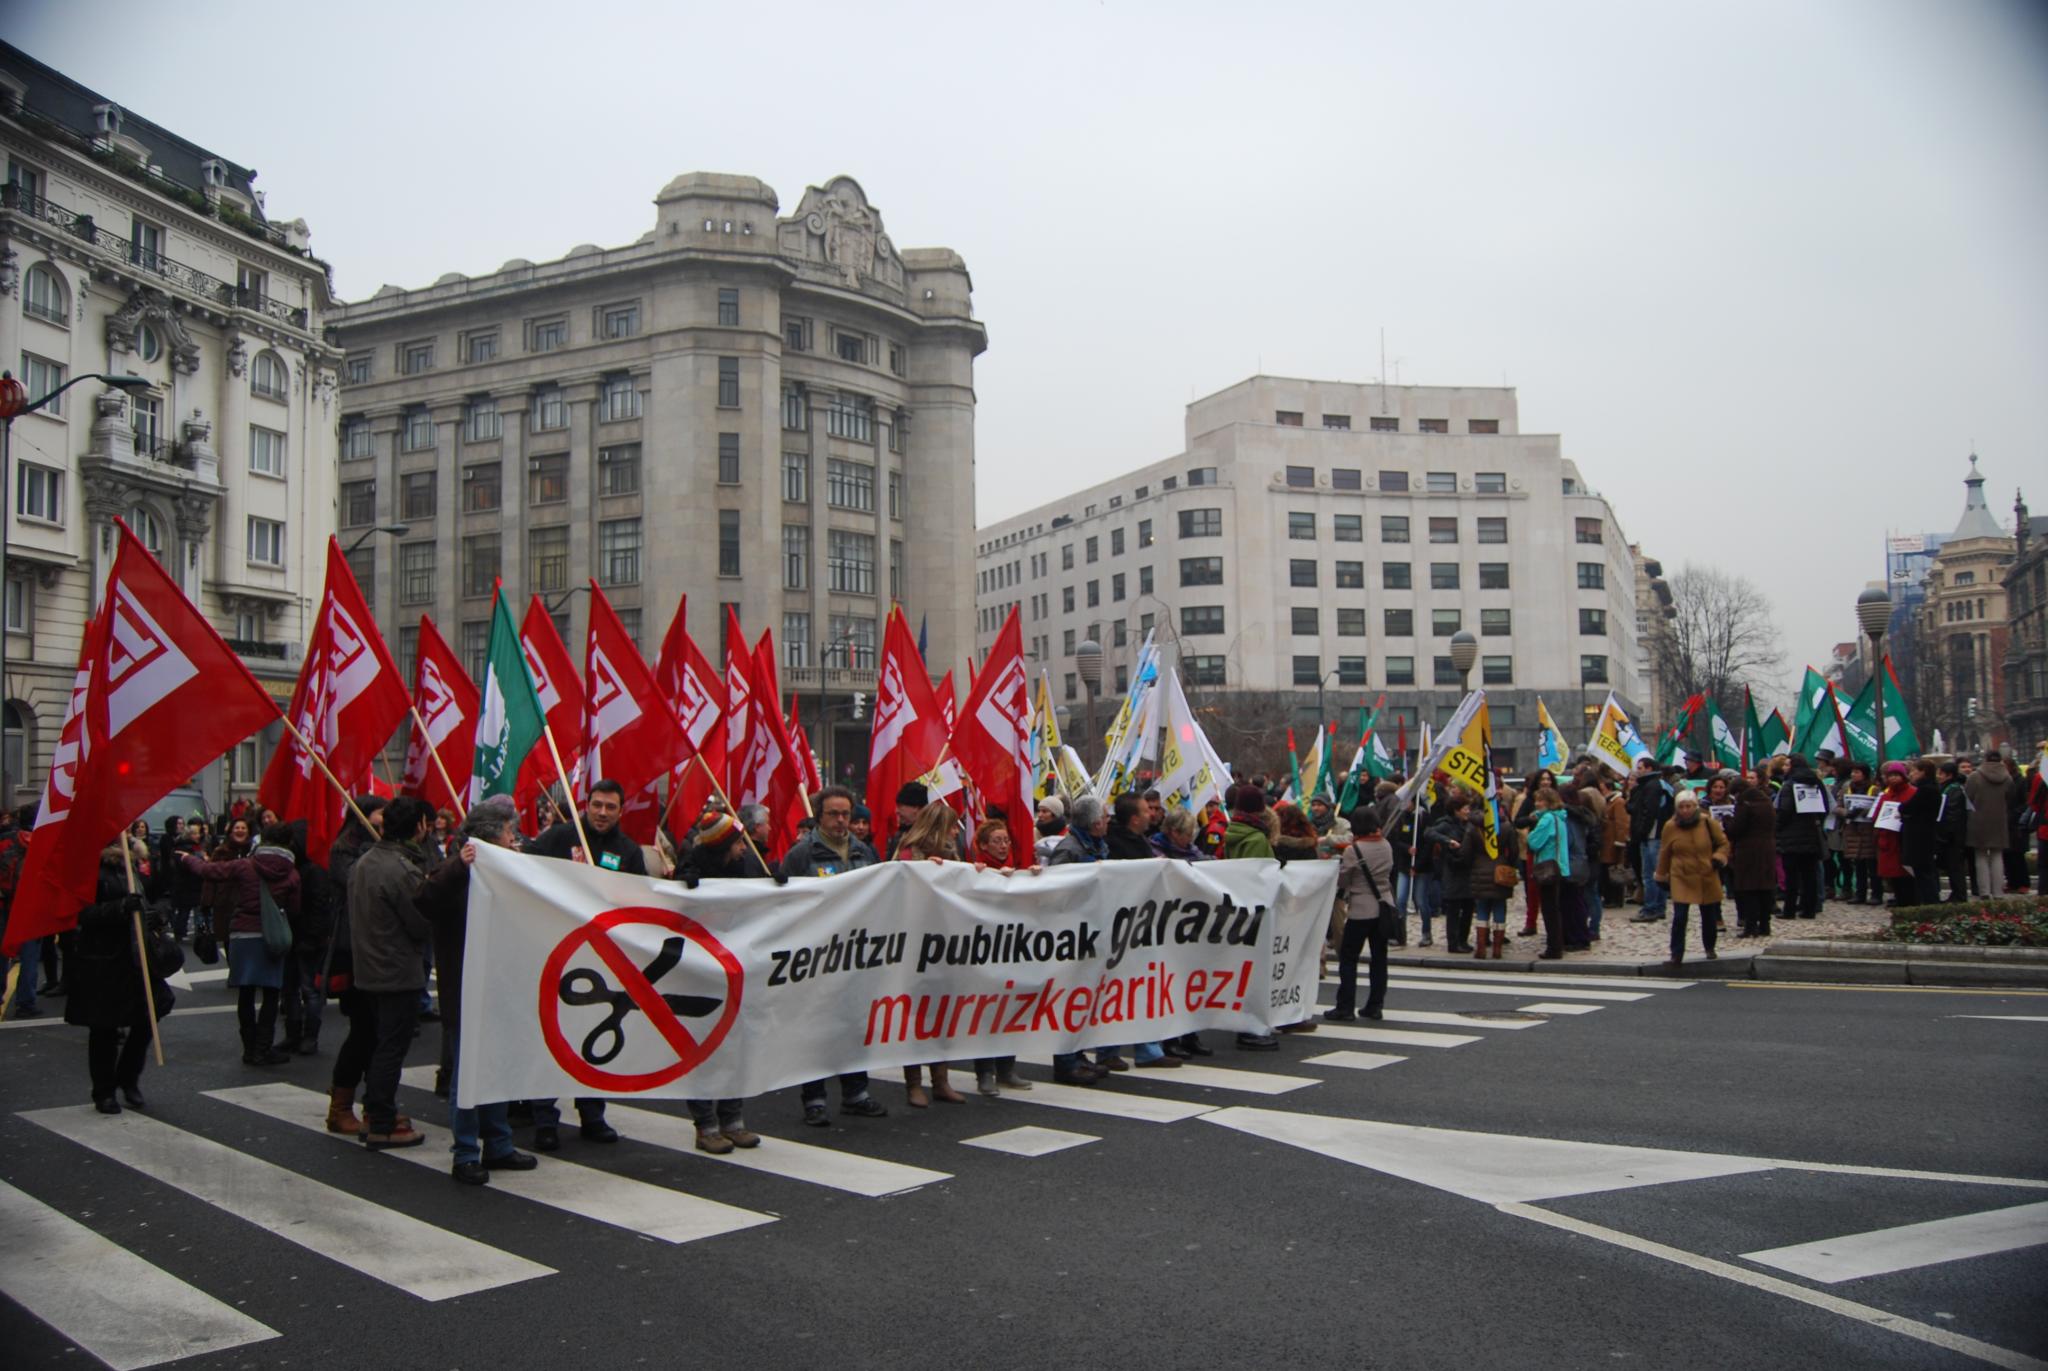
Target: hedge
2019 922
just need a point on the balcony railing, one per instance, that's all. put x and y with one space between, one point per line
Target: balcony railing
186 278
834 678
256 647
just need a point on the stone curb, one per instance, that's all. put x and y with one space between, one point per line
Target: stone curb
1931 952
1844 963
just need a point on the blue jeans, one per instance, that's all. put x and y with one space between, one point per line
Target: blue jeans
1492 910
1596 905
548 1113
1429 897
1402 882
31 960
1653 893
489 1120
1148 1052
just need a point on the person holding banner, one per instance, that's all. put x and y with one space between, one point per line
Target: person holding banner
1365 883
933 835
1690 856
104 971
826 851
483 1135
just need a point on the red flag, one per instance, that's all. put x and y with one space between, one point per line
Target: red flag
739 705
773 776
688 681
561 696
909 728
993 737
348 700
1401 746
629 734
157 695
806 760
447 702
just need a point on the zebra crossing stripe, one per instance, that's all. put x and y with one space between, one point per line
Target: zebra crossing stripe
381 1243
1646 983
102 1297
621 1201
1449 988
1439 1019
1356 1061
868 1176
1217 1077
1400 1037
1550 1007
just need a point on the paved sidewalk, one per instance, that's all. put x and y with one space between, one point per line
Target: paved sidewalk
1638 944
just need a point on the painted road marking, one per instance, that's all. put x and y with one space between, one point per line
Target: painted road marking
1756 1280
1105 1099
1030 1141
1218 1077
383 1244
1447 988
174 1014
848 1171
1357 1061
1399 1037
2008 1018
1547 1007
1441 1019
1494 1168
1833 1260
1886 989
619 1201
187 980
104 1298
1546 978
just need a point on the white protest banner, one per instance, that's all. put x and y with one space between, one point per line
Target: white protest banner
588 982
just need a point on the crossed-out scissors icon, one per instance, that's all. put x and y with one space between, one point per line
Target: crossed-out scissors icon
583 987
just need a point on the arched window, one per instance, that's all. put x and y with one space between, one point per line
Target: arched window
268 377
15 722
147 528
148 344
44 295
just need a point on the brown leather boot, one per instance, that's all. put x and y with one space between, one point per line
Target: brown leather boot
1480 940
913 1081
942 1086
341 1112
1500 939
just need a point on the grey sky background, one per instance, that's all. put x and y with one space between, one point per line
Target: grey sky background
1771 269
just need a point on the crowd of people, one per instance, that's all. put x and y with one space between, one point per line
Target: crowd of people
379 929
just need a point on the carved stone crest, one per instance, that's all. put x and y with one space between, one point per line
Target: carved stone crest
10 269
238 354
154 308
836 231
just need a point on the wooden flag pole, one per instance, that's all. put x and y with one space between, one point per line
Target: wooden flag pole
307 745
562 773
156 1037
435 753
733 810
385 767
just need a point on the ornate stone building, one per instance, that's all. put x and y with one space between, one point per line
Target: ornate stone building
772 413
125 249
1961 632
2026 650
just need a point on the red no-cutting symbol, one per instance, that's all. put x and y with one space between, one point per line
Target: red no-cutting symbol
637 993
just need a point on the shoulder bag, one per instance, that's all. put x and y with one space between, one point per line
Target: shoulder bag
277 929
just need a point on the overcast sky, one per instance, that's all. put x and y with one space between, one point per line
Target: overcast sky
1772 270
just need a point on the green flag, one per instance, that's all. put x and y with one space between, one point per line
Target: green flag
509 719
1813 693
1360 761
1726 752
1776 739
1900 741
1752 731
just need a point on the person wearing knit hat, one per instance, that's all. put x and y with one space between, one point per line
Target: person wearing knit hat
911 798
863 823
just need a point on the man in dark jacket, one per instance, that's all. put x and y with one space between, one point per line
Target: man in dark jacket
444 899
336 978
828 850
1802 807
388 939
612 850
1650 807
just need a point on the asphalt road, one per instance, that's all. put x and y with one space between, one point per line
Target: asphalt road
1419 1212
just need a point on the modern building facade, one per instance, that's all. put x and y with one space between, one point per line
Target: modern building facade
125 249
1328 538
772 414
1961 633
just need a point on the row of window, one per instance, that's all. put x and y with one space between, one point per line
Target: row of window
544 333
798 335
847 415
1199 669
849 561
547 483
1306 622
1384 423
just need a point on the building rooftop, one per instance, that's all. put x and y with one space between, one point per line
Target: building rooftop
1977 521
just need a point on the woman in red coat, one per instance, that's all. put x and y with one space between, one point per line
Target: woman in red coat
1889 819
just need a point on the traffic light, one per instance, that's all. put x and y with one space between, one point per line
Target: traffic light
860 704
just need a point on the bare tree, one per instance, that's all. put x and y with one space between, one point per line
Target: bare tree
1722 639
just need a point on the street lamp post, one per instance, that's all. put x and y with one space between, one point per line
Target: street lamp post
395 530
1464 652
1874 614
14 403
1088 661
